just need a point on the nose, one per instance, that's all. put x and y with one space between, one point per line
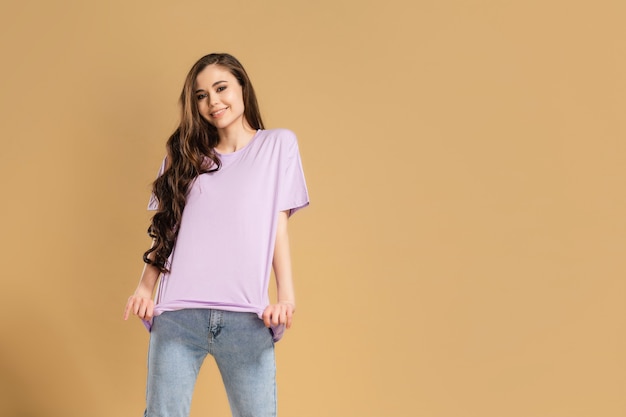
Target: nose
214 100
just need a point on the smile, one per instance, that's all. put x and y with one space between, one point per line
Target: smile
218 113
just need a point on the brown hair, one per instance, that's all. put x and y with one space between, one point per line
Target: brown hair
190 152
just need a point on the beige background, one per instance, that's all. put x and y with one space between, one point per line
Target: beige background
464 251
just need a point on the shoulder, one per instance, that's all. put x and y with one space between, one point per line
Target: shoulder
283 135
283 141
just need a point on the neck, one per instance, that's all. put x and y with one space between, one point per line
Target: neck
234 138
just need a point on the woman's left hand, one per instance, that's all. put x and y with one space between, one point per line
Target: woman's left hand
279 313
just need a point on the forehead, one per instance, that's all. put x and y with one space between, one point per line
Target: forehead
213 73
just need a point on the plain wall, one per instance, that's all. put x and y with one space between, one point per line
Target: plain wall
463 254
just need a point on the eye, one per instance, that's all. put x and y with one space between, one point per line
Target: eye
221 88
201 96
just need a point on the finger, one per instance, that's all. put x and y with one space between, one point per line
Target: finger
130 307
275 317
266 317
149 311
127 309
143 306
289 318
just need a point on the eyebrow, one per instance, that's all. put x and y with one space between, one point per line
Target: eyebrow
214 84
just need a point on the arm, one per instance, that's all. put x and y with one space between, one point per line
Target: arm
282 311
140 303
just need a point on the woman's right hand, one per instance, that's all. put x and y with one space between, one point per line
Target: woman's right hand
140 304
142 307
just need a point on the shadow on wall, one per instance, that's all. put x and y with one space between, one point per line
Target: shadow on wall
15 398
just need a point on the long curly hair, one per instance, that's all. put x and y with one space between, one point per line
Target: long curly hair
191 152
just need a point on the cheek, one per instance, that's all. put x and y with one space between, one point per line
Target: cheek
202 106
235 97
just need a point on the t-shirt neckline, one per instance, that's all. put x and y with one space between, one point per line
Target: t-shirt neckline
238 151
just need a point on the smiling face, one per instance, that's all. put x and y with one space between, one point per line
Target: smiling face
220 98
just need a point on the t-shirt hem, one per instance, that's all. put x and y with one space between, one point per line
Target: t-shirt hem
295 207
277 331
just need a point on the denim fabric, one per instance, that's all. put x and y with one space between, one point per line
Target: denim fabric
243 350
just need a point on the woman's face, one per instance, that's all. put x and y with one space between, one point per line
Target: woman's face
220 98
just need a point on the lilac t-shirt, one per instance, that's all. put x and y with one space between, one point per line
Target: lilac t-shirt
223 253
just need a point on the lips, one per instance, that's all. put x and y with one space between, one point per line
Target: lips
218 113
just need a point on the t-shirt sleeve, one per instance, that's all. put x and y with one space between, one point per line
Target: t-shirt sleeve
153 203
293 194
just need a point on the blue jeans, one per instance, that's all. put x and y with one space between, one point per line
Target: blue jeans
240 344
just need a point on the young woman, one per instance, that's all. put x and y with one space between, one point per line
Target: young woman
223 196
